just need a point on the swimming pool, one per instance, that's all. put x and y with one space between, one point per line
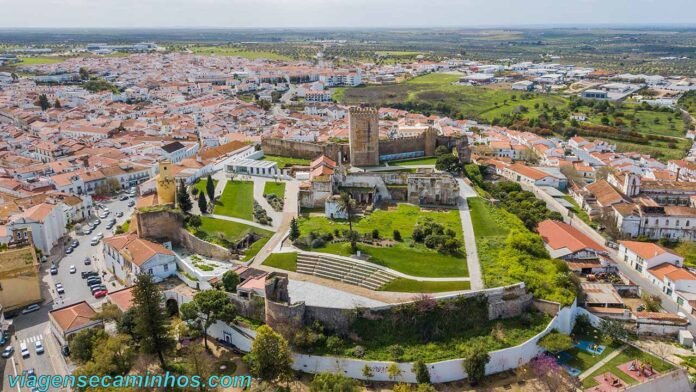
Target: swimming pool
590 347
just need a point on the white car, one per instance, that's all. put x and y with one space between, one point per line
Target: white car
59 288
72 269
100 235
39 347
94 241
31 308
24 350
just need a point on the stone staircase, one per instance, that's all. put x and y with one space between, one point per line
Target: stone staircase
343 270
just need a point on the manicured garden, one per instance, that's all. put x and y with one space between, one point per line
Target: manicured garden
284 162
201 185
415 162
629 354
237 200
276 188
416 286
223 232
403 253
286 261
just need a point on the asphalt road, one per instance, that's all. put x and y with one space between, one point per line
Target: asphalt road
34 326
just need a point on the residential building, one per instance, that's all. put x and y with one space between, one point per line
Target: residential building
127 255
67 321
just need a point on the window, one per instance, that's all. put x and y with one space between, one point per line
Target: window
149 271
166 267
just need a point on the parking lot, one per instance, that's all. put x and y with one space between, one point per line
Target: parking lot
34 326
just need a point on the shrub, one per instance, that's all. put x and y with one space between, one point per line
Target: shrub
397 235
421 371
318 243
556 342
334 344
395 352
375 234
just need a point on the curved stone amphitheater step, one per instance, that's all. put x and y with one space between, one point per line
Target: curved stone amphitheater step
343 270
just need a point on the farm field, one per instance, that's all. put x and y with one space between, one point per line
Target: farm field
237 52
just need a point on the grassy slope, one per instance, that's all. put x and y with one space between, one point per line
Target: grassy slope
286 261
237 200
417 260
232 231
284 162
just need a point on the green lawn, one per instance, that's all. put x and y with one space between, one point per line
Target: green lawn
237 200
628 354
414 286
414 162
202 183
406 256
255 248
286 261
231 231
237 52
284 162
277 188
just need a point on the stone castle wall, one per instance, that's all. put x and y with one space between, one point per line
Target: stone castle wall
305 150
163 226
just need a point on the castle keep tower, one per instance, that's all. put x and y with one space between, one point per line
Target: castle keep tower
166 184
364 136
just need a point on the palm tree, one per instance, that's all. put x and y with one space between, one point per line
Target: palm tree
346 204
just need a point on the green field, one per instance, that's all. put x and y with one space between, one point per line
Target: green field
39 60
405 256
277 188
286 261
284 162
415 286
436 93
230 231
237 52
255 248
414 162
237 200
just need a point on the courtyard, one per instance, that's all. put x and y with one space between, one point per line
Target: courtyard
237 200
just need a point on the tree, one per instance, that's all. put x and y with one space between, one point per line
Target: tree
84 73
230 280
613 330
126 325
270 357
151 323
346 205
109 312
397 235
207 308
57 104
421 371
294 230
442 150
43 102
549 372
183 200
475 359
195 221
210 188
448 163
114 355
82 344
333 382
653 303
556 342
202 203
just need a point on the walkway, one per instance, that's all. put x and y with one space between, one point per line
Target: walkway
239 220
601 363
472 260
259 185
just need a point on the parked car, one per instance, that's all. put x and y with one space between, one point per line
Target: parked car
7 352
123 197
119 214
131 203
88 231
54 270
59 288
68 250
88 261
24 350
3 340
93 281
65 350
100 235
100 294
75 243
31 308
109 226
39 347
72 269
87 274
94 241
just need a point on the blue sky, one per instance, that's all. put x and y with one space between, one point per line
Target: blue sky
341 13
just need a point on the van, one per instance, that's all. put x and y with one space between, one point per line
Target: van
24 350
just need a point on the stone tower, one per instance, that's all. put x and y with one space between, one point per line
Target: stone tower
430 141
166 184
364 136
